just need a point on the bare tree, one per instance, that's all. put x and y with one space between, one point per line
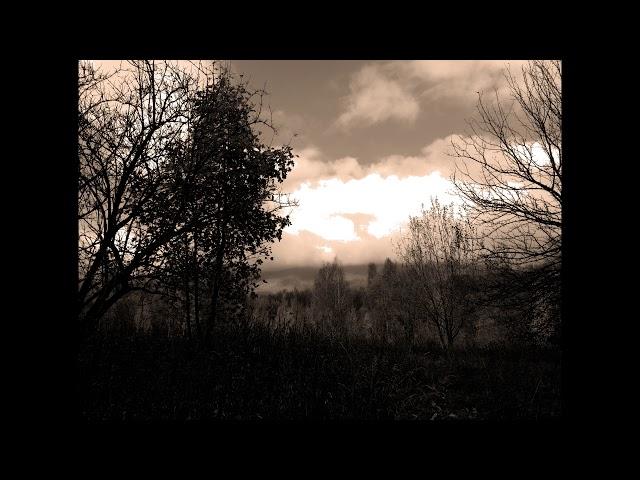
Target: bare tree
409 304
331 298
372 272
128 120
510 175
384 292
440 252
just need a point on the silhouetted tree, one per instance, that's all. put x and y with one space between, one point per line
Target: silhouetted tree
441 256
331 298
175 185
511 178
237 212
388 301
384 294
409 312
372 272
128 121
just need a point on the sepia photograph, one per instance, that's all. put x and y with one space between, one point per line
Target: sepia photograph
319 240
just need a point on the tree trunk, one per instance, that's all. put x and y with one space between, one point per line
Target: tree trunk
216 288
441 334
186 287
89 321
409 331
196 281
187 305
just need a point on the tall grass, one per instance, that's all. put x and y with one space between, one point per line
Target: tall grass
252 372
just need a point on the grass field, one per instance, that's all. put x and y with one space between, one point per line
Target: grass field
252 373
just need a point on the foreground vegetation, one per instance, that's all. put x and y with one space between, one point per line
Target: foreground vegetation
252 373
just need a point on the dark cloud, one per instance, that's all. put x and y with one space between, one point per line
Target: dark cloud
309 97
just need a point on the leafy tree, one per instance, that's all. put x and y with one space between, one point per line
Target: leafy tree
178 194
236 212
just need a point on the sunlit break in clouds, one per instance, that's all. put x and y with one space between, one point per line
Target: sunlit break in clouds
388 200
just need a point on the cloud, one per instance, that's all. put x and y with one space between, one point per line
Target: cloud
432 157
388 201
289 125
375 97
311 166
460 79
394 90
535 154
354 211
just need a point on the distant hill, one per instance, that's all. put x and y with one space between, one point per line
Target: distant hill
303 277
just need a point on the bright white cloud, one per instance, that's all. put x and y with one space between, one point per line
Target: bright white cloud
324 248
375 97
354 211
388 200
535 153
385 192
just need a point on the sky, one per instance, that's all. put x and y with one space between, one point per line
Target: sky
373 141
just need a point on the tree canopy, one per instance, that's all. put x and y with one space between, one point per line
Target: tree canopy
174 180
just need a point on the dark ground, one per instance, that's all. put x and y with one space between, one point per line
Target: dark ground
256 374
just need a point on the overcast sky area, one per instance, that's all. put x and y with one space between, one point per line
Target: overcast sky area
372 140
